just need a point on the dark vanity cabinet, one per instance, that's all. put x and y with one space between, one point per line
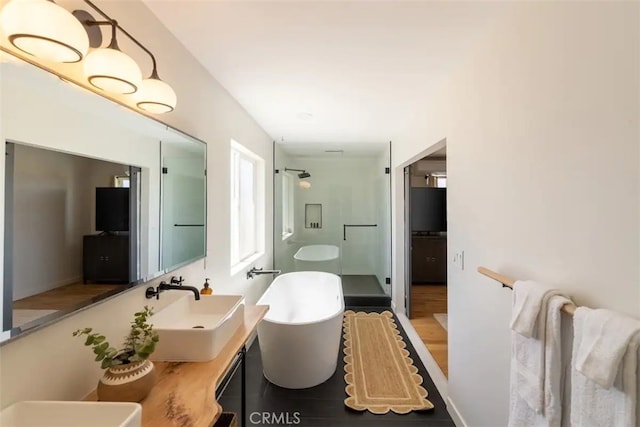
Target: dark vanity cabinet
429 259
105 258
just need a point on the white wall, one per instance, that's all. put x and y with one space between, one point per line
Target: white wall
204 110
533 121
54 207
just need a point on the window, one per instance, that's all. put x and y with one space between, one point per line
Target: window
247 206
287 205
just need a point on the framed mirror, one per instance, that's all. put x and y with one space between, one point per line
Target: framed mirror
82 196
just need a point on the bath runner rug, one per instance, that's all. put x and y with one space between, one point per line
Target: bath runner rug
380 376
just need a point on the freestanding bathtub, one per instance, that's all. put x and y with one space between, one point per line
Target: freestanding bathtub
318 258
300 335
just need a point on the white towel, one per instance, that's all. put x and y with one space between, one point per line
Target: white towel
536 369
606 336
528 297
592 404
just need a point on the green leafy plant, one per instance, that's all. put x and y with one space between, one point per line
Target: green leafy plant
138 344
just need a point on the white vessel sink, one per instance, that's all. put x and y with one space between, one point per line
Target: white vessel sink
196 331
71 414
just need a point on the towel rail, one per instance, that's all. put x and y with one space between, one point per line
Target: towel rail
509 282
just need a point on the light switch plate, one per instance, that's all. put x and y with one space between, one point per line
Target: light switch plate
458 260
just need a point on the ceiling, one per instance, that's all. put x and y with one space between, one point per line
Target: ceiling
335 150
331 72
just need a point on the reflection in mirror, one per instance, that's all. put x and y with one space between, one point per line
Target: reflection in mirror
335 216
73 236
73 142
183 202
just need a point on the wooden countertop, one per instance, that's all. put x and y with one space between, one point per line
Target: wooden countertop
184 395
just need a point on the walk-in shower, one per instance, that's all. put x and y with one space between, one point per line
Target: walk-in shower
345 214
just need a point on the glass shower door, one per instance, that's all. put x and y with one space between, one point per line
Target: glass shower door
343 204
361 272
366 234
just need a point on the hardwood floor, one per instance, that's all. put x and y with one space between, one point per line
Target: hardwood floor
426 300
66 297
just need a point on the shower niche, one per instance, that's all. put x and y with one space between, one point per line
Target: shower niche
312 215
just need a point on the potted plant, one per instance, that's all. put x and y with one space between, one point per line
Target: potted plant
129 375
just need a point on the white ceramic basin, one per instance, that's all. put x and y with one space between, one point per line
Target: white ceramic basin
196 331
71 414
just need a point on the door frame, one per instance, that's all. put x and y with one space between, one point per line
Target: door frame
408 273
406 226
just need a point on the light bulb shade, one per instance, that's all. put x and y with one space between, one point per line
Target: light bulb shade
156 96
45 30
304 184
112 70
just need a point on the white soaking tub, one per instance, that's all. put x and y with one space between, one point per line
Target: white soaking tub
300 335
318 258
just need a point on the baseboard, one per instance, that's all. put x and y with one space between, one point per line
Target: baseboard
455 414
68 281
427 359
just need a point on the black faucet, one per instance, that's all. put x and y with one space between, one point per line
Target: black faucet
176 281
163 286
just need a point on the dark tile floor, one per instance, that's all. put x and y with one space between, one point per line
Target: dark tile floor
323 405
361 285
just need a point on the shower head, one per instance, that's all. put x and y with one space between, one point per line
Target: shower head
302 175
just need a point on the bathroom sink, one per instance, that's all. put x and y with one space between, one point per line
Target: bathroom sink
71 414
196 331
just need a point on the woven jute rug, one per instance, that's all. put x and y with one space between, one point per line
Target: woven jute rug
380 375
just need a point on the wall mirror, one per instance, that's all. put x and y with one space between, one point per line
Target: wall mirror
82 198
184 190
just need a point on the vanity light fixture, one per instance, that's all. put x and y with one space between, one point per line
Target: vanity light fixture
109 68
45 30
155 96
151 94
